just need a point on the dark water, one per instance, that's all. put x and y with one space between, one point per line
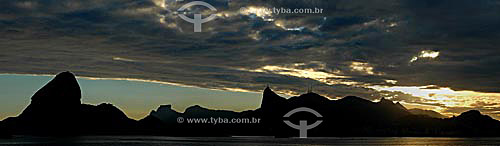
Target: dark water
254 141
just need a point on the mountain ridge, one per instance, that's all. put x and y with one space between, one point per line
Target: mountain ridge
56 110
429 113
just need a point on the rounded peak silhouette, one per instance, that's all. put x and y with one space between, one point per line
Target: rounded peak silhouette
195 108
65 74
353 99
311 94
471 113
63 89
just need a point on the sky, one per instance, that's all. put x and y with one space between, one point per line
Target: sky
432 54
135 98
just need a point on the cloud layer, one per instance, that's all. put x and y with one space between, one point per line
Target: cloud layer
352 48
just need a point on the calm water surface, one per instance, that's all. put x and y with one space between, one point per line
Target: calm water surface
197 141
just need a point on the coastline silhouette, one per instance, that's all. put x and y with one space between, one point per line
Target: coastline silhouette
56 110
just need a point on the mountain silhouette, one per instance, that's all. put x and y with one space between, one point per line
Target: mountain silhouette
473 123
429 113
56 110
349 116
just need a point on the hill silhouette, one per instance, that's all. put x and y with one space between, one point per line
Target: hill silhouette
56 110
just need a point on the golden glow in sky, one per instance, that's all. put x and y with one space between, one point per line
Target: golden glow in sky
439 99
447 97
425 54
362 67
298 70
303 73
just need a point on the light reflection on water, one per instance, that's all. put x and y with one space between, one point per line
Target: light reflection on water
226 141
